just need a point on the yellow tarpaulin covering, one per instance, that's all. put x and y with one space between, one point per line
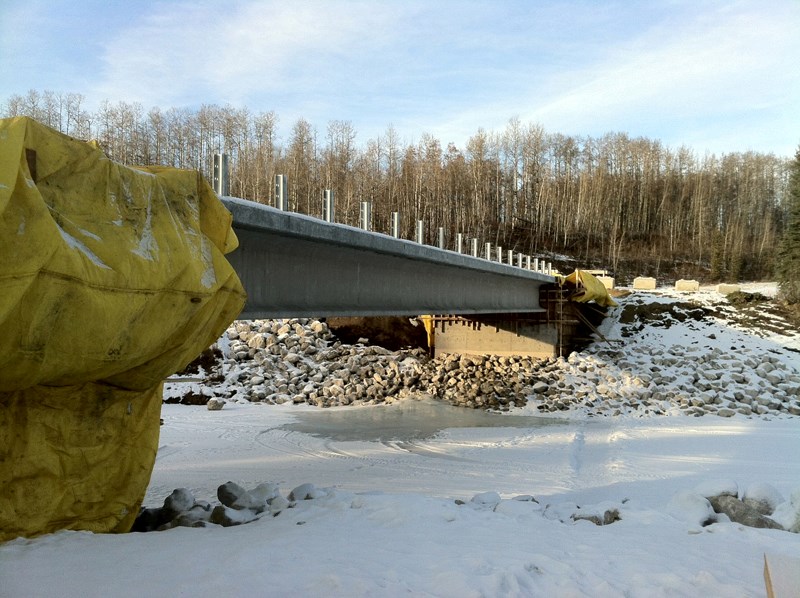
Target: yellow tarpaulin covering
588 288
111 279
75 457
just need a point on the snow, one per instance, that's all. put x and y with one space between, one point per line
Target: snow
209 277
763 494
148 245
412 500
709 488
76 244
788 513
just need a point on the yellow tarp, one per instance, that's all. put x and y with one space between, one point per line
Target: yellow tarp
75 457
107 272
588 288
109 275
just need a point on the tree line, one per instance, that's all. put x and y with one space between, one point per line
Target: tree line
788 266
613 201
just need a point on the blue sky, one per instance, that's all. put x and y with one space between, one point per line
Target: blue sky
716 76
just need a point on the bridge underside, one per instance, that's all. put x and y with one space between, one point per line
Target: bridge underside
297 266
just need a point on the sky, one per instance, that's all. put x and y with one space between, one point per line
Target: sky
715 76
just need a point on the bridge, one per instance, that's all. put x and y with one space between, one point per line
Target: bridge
292 265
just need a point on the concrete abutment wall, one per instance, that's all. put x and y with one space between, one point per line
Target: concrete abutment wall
504 336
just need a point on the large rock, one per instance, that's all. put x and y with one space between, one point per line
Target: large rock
215 404
232 495
305 492
227 517
607 517
179 501
762 497
265 492
739 512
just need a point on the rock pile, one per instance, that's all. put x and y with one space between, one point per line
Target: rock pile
713 501
480 381
236 506
277 361
660 380
300 361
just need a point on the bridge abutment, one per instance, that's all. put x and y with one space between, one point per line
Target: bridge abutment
540 335
504 336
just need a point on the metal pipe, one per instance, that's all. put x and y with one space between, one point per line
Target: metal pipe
395 225
221 182
421 232
328 207
459 243
281 192
366 215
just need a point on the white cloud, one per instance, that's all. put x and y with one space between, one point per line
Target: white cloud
683 72
187 52
724 66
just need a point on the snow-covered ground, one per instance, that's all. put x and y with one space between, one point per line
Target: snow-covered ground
394 512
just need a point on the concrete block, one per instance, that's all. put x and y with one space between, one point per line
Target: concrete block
608 281
727 289
687 285
644 283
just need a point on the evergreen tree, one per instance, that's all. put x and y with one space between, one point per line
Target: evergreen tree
788 267
717 257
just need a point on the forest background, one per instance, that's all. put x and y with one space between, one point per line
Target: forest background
628 205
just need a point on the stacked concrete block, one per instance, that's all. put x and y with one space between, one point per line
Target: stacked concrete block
727 289
644 283
608 281
687 285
